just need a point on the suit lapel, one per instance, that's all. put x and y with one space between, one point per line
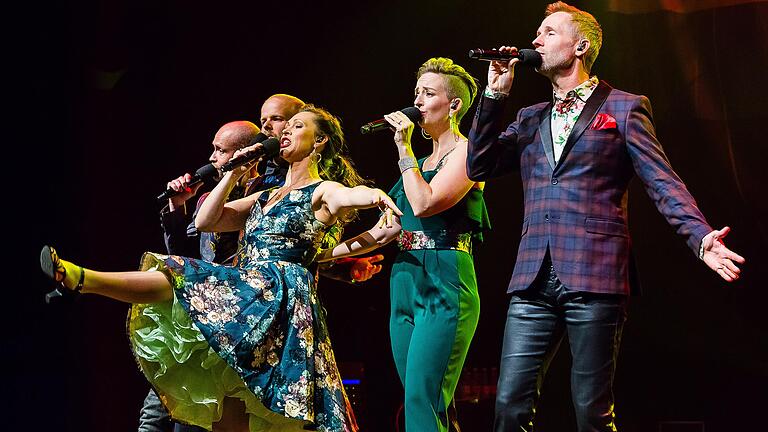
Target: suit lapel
545 131
593 104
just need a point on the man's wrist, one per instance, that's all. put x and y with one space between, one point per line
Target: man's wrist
701 245
493 94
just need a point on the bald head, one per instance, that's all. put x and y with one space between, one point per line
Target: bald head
276 111
241 132
231 137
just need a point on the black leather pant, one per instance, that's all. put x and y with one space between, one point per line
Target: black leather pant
537 320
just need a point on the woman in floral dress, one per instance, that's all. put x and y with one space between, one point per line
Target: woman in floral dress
246 348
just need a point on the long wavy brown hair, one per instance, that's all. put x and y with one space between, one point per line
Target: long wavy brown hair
334 163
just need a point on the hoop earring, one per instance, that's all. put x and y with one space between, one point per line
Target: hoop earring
425 135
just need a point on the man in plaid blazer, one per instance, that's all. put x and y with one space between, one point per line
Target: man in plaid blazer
576 156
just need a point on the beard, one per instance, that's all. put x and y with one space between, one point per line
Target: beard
551 64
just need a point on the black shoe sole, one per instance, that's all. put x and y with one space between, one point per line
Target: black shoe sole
46 262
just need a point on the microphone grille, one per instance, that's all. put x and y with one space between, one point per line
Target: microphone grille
207 171
412 113
529 57
271 147
258 138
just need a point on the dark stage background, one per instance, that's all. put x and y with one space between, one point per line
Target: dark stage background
111 99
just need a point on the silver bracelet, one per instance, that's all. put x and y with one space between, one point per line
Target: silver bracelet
407 163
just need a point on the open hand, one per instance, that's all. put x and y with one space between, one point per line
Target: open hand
364 268
719 258
388 208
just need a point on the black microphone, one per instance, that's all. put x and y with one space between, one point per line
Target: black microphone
203 173
411 112
209 171
528 57
269 148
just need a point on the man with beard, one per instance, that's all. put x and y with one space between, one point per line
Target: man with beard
574 271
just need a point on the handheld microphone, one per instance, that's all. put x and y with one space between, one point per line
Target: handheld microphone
209 171
528 57
269 148
411 112
203 173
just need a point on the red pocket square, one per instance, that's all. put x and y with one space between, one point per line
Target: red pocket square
603 121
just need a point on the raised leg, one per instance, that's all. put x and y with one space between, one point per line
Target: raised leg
130 287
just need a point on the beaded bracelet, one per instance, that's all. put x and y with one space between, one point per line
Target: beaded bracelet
407 163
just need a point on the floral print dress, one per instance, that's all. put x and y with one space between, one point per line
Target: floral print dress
255 331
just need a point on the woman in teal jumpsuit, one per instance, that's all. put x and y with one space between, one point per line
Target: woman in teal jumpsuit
434 299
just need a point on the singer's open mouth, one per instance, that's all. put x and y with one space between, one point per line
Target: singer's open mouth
285 142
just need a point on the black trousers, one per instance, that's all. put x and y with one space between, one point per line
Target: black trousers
537 320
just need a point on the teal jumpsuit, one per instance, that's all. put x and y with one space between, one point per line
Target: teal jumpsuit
434 303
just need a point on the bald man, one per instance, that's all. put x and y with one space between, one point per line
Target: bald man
182 238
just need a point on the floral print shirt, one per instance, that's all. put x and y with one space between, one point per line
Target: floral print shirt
566 111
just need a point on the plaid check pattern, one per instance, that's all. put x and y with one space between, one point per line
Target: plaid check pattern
577 207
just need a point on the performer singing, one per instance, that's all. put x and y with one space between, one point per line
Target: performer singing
183 238
576 155
434 299
246 347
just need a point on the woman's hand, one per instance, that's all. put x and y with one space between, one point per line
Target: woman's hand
388 208
246 167
501 73
403 127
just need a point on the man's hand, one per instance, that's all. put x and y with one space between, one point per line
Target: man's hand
501 73
181 184
364 268
718 257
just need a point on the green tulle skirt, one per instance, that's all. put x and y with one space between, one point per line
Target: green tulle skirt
190 378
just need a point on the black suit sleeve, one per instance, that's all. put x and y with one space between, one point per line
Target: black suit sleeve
179 232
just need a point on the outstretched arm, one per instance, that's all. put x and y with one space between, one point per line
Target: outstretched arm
338 200
671 196
379 235
718 257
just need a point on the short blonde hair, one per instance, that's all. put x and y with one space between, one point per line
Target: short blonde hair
585 26
458 82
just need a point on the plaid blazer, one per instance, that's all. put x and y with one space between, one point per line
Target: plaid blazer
577 208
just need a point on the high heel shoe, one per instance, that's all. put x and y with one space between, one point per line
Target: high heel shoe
52 266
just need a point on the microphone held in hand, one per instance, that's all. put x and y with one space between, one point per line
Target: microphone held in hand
269 148
203 173
528 57
411 112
